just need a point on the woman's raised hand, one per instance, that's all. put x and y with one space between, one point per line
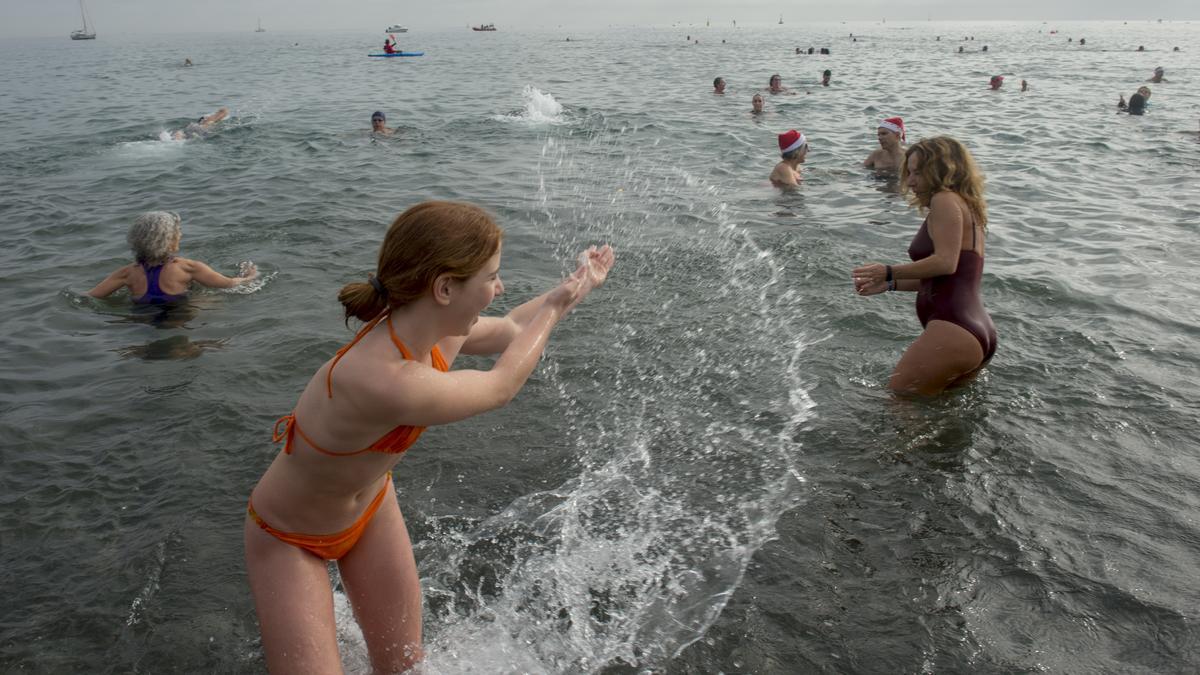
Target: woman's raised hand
594 264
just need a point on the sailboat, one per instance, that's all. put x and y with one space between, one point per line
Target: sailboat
260 29
83 34
780 19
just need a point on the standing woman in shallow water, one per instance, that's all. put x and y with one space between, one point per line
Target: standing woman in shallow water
328 496
947 268
158 276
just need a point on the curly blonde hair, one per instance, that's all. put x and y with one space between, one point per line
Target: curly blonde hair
152 236
946 164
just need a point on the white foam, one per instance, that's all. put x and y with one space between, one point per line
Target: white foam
540 108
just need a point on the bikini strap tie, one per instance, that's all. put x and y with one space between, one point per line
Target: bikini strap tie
288 421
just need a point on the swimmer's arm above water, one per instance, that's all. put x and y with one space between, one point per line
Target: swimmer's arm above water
207 276
112 283
945 229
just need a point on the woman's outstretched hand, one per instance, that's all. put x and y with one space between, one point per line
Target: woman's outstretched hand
870 279
594 264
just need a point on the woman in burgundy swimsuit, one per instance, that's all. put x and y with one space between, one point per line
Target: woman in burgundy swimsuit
947 266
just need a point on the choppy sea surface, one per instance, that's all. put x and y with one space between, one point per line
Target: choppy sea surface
706 474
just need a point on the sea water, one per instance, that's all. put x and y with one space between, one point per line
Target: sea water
706 473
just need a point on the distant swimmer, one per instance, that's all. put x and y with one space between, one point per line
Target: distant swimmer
756 105
890 155
793 147
719 85
960 50
379 124
1137 102
775 85
984 48
800 52
996 82
947 253
187 62
200 127
1082 42
1158 75
328 495
1176 49
1141 48
158 276
825 76
1024 85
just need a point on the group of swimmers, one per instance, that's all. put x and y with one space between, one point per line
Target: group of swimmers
1137 102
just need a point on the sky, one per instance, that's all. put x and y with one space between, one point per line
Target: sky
54 18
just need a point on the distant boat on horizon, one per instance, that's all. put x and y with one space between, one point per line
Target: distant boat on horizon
487 27
780 19
260 29
84 33
396 28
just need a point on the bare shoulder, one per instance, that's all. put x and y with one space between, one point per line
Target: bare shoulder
946 199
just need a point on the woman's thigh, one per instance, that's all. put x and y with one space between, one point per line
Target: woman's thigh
294 601
380 577
943 354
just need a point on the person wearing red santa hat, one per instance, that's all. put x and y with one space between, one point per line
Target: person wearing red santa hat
794 147
890 155
996 82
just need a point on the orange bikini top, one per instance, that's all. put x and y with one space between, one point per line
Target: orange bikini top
395 441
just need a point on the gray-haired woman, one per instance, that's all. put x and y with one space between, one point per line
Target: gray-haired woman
158 276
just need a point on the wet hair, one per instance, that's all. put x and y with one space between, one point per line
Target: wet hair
718 81
152 236
827 73
794 153
426 241
945 164
773 78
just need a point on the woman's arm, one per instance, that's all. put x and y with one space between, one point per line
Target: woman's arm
207 276
492 335
111 284
945 229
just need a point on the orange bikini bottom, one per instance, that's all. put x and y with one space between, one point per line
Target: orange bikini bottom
326 546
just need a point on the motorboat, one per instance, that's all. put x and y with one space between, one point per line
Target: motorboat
488 27
396 29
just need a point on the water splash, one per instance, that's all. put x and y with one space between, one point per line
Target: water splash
540 108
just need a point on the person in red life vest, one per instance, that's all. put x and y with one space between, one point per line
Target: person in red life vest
389 45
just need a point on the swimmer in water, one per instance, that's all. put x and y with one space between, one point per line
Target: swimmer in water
187 62
1024 85
775 85
437 270
1158 75
158 276
719 85
793 146
201 127
825 77
890 155
379 124
1137 102
946 270
996 82
756 105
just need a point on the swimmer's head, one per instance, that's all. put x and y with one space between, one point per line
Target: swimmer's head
378 119
1158 70
941 163
756 103
719 85
1144 91
793 145
996 81
890 129
154 236
430 243
775 82
826 74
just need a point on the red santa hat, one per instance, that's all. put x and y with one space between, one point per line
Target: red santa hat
791 140
894 125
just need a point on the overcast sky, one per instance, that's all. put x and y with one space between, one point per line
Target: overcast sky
54 18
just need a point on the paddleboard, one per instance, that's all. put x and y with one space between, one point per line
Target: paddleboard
398 54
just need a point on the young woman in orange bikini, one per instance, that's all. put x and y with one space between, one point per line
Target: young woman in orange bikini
947 253
328 495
